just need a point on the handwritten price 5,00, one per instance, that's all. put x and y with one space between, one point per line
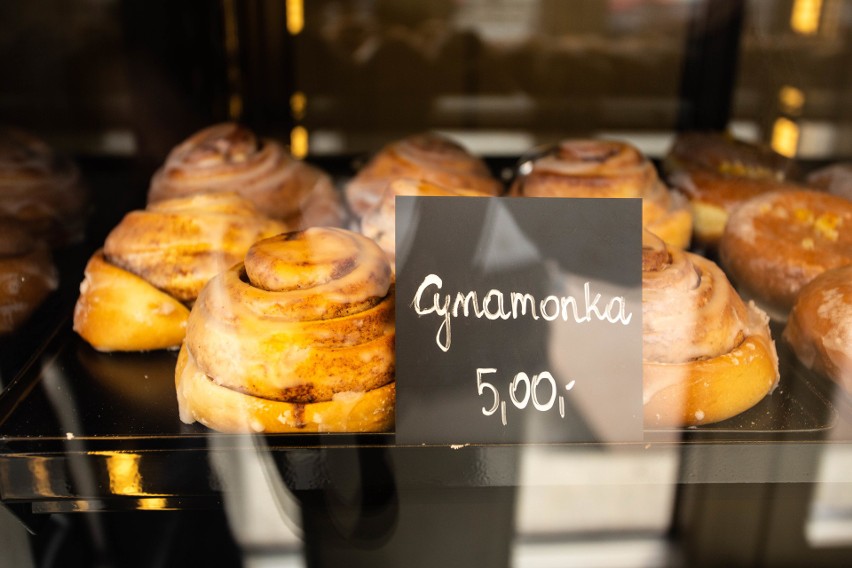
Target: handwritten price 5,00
541 390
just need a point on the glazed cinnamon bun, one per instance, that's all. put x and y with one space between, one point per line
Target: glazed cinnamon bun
707 356
41 189
27 274
427 157
299 338
379 223
136 291
600 168
230 158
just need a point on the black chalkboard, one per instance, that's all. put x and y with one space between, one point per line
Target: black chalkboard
528 272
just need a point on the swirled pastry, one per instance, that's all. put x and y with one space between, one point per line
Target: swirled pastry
819 329
230 158
707 356
428 157
380 222
717 173
600 168
135 292
41 189
299 338
776 243
27 274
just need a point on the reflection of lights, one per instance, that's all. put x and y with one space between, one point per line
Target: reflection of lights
298 104
232 51
124 478
792 99
299 142
235 106
785 137
295 16
153 504
805 16
41 476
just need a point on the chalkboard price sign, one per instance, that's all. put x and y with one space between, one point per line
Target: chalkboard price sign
519 320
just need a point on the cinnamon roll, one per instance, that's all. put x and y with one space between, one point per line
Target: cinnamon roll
136 292
819 330
41 189
379 223
707 356
299 338
599 168
230 158
428 157
27 274
717 173
776 243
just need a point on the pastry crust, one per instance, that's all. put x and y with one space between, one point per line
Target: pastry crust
379 223
707 356
136 290
118 311
819 329
307 319
220 408
776 243
717 173
426 157
41 189
609 169
179 244
230 158
27 274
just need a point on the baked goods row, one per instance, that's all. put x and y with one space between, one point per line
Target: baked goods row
283 327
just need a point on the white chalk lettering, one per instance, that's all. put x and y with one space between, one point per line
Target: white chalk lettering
493 307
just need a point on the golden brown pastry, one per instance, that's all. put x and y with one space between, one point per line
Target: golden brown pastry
299 338
776 243
27 274
41 189
428 157
230 158
380 222
717 173
603 168
819 329
706 355
136 292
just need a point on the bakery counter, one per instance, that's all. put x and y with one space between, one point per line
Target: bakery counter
86 430
83 430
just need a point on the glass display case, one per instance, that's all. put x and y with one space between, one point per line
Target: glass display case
104 462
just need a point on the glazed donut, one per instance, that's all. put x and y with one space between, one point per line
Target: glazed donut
299 338
707 356
819 330
164 254
776 243
602 168
428 157
836 179
379 223
230 158
41 189
717 173
27 274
